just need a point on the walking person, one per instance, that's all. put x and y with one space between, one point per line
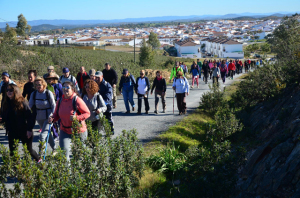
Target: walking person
50 70
223 70
160 85
237 67
181 87
205 69
174 71
195 70
142 89
94 102
92 74
231 68
126 86
18 120
81 77
68 77
42 103
3 85
29 86
184 68
211 65
111 76
105 91
216 74
246 66
70 107
199 63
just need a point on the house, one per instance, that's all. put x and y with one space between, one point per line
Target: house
188 48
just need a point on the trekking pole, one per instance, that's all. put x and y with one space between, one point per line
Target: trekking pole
50 124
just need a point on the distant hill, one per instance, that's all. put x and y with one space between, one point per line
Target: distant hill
44 27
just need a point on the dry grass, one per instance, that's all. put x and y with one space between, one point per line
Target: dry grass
123 48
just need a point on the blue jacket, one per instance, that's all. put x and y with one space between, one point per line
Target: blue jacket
106 93
195 70
58 91
127 83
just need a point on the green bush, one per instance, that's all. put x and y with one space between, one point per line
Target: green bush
102 167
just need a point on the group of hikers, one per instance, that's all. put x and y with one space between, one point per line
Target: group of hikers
54 102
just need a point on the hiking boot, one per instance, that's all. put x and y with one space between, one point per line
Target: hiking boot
184 112
156 112
198 86
113 133
180 113
115 107
192 87
133 108
139 113
164 111
127 112
147 112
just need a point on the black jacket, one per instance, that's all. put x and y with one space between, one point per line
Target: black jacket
28 89
205 68
110 76
17 123
160 85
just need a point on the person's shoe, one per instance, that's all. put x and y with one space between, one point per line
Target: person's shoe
180 113
184 112
133 108
54 153
192 87
115 107
156 112
113 133
147 112
198 86
139 113
127 112
164 111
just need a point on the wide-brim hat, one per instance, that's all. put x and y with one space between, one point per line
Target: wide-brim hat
52 76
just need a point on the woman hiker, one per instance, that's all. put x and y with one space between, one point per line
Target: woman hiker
42 103
160 86
126 85
216 74
223 70
195 73
181 87
69 108
18 119
205 69
94 102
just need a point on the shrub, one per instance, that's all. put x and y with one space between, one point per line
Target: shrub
102 167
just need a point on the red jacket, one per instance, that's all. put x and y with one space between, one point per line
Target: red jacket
66 110
231 66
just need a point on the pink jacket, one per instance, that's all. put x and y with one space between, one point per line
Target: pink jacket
66 110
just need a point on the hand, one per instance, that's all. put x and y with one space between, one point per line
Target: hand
50 119
170 81
29 134
114 85
173 88
187 93
151 93
72 117
98 111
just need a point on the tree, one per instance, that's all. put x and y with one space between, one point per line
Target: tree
153 40
146 54
265 48
255 47
10 35
256 37
22 26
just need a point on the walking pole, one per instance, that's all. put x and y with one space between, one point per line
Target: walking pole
50 124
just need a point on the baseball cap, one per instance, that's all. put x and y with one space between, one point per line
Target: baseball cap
98 73
92 72
125 71
66 70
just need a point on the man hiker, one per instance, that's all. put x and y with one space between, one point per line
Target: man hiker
174 71
50 70
142 88
68 77
111 76
81 77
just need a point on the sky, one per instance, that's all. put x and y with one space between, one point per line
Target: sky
121 9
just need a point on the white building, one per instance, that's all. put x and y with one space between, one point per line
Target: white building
188 49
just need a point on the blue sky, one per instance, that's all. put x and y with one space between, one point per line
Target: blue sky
120 9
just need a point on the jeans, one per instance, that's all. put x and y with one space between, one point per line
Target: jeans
128 96
65 141
140 97
44 125
197 80
163 99
231 73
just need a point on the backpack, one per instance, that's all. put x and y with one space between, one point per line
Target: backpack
34 109
72 78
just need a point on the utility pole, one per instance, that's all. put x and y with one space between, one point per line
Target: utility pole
134 47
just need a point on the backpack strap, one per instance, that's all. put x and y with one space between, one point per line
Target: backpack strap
98 101
74 104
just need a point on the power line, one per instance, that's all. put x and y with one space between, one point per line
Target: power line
8 21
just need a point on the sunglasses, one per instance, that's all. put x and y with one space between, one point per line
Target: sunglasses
87 87
67 87
142 73
38 85
10 90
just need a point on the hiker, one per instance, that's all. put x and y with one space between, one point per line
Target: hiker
29 86
246 66
56 88
81 77
18 120
92 74
237 70
50 69
42 103
211 65
184 68
94 102
105 91
4 83
241 66
181 87
195 73
249 63
70 107
126 85
216 74
231 68
174 71
223 70
111 76
68 77
142 88
205 69
160 85
199 63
